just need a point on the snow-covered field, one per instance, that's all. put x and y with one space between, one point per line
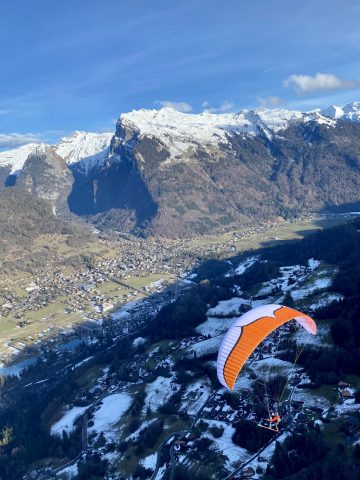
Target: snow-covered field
205 347
113 407
228 307
225 445
124 312
66 422
297 272
264 458
214 326
145 424
159 392
319 283
325 299
149 461
69 472
243 266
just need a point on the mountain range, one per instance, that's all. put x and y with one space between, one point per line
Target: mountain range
169 173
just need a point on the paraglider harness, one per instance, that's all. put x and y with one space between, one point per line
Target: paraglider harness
272 422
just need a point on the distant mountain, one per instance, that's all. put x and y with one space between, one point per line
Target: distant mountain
84 151
176 174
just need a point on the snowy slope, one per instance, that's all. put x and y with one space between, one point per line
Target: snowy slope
176 129
178 132
15 159
85 149
349 112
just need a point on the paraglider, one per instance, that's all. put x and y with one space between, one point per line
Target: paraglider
244 335
272 423
248 331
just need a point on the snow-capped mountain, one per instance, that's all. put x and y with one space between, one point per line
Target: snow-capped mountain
14 159
179 174
348 113
84 150
177 130
81 150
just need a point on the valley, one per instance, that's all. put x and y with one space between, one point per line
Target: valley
141 398
50 301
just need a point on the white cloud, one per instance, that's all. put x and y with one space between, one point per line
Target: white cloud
12 140
271 101
179 106
305 84
225 106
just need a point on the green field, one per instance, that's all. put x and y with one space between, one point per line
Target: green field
54 313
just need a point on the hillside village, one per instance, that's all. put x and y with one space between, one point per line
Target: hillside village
180 419
53 301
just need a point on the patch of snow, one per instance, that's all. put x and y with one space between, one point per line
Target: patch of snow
347 407
205 347
83 361
192 276
318 284
214 326
266 455
262 301
15 159
243 382
271 365
283 282
139 341
125 311
67 421
325 299
149 461
310 398
313 264
349 112
159 392
135 435
69 472
244 265
161 472
112 408
228 307
225 445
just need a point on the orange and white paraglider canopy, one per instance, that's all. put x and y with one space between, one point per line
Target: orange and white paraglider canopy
248 331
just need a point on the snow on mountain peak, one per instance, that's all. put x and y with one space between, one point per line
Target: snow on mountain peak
333 112
86 149
15 158
176 130
349 112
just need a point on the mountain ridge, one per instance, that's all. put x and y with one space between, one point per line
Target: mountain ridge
168 173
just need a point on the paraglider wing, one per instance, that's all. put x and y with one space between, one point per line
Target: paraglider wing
248 331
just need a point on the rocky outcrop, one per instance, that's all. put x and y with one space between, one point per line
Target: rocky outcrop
46 175
175 174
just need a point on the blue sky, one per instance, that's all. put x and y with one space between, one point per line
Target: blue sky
76 64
